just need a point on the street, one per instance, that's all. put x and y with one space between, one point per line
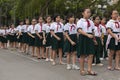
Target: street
18 66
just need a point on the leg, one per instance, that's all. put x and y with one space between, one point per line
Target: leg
117 59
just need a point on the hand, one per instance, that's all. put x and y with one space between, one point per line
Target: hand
89 36
73 43
95 42
44 40
58 39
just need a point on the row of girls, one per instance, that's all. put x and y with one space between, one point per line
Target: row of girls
88 38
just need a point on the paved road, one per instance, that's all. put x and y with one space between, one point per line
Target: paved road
17 66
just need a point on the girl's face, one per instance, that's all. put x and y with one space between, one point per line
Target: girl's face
86 13
27 21
48 19
72 19
97 20
58 19
21 23
115 14
103 21
12 26
40 20
33 21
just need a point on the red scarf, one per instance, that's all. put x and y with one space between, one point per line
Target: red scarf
41 27
103 25
88 23
58 24
73 26
97 25
117 25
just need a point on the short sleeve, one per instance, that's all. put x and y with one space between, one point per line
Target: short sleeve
66 27
109 25
52 27
79 24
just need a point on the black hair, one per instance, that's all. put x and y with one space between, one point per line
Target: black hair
94 17
55 16
70 15
46 18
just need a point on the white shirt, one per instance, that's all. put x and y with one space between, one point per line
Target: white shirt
112 25
46 27
25 27
98 30
12 30
20 28
71 28
39 27
104 31
82 23
31 29
57 28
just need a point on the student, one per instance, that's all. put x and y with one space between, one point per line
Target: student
86 44
39 38
98 41
70 29
26 37
5 32
104 37
20 36
57 38
12 36
113 28
31 33
47 40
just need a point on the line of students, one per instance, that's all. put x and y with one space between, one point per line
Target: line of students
86 38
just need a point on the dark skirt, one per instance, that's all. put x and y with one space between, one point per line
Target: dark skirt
112 45
4 39
85 46
25 38
38 41
12 38
67 45
32 41
48 40
56 44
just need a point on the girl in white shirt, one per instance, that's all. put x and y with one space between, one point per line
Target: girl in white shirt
57 38
31 33
39 39
113 28
70 43
86 45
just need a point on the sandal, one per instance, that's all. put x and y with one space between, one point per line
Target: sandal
83 73
110 68
117 68
92 73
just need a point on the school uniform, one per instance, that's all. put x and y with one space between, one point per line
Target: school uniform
85 45
46 29
31 30
20 29
58 30
105 35
39 29
115 27
11 35
72 32
25 35
5 32
98 47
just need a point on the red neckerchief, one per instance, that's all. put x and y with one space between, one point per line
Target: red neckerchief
26 27
58 24
97 25
41 27
73 26
33 27
88 23
117 24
